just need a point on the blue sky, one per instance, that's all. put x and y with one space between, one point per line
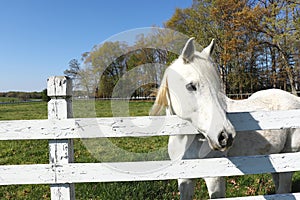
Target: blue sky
39 37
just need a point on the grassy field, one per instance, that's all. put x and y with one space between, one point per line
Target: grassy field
8 99
33 152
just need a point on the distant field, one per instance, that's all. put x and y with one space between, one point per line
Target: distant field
8 99
31 152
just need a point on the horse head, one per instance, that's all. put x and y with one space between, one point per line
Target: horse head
191 89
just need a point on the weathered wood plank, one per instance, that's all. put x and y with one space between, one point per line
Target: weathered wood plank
37 129
137 126
133 126
148 170
27 174
164 170
92 128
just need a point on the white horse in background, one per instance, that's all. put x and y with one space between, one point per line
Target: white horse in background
191 88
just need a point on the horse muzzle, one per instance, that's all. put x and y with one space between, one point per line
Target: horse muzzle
223 142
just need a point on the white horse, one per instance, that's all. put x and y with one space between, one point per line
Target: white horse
191 89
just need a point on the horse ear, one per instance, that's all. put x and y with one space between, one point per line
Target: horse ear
209 49
188 51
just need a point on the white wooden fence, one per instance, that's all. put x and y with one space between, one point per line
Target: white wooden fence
61 173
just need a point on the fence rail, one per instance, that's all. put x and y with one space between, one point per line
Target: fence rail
136 126
150 170
61 173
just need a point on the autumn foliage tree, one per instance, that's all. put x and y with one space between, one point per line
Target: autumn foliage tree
258 41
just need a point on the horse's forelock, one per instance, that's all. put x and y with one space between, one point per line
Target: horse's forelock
161 100
210 71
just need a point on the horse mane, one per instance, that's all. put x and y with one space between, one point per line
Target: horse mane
161 100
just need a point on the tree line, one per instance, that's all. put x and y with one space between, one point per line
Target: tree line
258 40
117 68
25 96
258 47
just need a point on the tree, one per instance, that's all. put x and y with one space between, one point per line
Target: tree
238 44
279 28
74 69
141 63
45 97
257 40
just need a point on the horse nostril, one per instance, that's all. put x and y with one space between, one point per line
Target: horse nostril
225 140
229 140
222 139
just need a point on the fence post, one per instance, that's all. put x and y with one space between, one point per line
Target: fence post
59 89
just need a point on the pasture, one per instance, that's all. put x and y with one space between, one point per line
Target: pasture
36 152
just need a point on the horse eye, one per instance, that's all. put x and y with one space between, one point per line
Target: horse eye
191 87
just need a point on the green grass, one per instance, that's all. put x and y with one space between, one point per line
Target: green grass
153 148
8 99
34 110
